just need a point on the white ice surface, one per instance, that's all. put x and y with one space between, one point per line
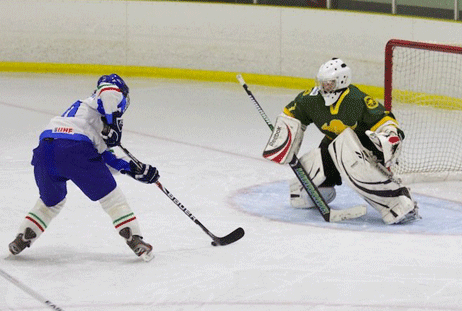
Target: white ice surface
206 140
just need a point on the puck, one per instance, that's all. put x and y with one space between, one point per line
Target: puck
214 243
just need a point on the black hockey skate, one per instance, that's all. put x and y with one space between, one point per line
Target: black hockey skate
136 243
22 241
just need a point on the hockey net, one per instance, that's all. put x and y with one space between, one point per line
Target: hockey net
423 89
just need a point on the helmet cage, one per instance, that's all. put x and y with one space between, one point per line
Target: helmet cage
326 86
333 77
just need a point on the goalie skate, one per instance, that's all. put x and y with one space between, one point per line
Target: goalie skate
410 217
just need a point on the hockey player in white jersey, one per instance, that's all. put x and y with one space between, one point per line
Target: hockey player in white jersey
76 146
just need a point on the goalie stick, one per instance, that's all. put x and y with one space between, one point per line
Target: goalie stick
228 239
329 215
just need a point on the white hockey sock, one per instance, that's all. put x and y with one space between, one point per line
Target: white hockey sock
40 217
116 206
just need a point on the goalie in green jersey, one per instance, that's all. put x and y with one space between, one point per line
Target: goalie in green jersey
362 141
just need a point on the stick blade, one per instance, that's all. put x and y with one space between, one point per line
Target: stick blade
147 256
230 238
349 213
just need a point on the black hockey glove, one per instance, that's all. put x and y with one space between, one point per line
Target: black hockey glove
146 174
112 133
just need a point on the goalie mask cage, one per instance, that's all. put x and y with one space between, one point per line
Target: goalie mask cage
423 89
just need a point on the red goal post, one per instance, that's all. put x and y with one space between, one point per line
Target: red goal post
423 88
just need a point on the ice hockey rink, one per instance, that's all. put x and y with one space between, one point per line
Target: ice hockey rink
206 140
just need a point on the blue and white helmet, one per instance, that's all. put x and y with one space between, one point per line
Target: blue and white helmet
120 83
332 79
114 79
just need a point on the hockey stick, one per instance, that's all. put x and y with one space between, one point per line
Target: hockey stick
29 290
329 215
228 239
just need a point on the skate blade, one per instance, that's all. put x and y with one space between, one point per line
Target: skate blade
147 256
408 220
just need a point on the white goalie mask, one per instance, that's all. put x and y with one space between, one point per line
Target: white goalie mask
332 79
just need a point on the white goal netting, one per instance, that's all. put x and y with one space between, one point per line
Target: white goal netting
424 90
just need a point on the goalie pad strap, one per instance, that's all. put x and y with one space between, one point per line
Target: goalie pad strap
285 140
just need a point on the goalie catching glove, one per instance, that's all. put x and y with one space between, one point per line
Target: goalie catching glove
146 173
387 139
285 140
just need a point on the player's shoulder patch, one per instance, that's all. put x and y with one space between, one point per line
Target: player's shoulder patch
371 103
290 110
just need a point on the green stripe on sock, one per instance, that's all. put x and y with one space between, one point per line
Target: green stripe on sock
122 218
39 220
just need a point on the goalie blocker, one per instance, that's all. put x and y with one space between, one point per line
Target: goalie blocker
359 167
285 140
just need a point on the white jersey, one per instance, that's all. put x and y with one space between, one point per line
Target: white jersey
82 120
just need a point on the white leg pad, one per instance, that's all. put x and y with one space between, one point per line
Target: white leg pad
359 168
39 217
312 163
116 206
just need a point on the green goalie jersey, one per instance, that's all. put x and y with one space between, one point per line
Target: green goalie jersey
354 109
